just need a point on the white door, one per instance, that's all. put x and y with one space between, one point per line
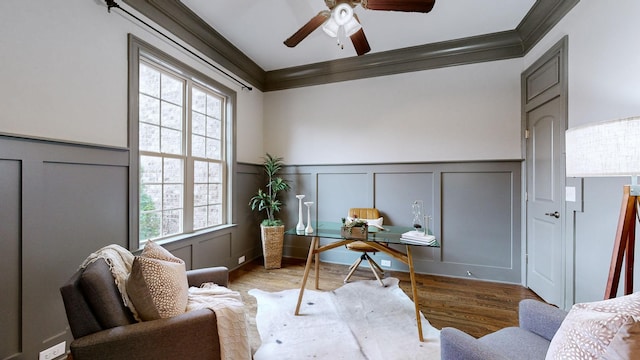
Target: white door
544 105
545 179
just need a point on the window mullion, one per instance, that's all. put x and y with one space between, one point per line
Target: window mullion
188 183
226 208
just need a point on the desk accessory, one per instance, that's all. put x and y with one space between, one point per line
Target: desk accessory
308 229
300 226
417 209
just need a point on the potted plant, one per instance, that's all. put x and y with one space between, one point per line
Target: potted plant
271 228
354 229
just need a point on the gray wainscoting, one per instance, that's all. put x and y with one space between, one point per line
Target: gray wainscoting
59 202
10 286
475 208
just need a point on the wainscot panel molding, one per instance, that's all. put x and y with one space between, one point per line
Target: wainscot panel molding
10 331
475 208
247 241
59 202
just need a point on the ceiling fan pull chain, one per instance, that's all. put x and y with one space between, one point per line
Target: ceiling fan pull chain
341 37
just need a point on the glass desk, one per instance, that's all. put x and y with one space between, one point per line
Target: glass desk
378 239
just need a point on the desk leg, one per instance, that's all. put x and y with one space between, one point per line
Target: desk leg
415 292
312 248
317 259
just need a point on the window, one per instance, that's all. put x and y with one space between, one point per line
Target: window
182 136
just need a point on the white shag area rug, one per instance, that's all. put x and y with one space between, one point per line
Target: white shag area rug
360 320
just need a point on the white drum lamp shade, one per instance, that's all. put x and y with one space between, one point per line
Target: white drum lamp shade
609 148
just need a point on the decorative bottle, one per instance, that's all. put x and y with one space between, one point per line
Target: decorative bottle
300 226
417 209
308 229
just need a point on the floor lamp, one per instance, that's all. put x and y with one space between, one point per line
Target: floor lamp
611 148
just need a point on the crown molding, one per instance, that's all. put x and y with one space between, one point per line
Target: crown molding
490 47
178 19
542 17
186 25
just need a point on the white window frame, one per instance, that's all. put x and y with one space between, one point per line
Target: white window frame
141 52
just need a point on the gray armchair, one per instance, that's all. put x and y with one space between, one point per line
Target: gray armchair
103 328
538 324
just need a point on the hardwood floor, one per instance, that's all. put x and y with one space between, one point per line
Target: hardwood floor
475 307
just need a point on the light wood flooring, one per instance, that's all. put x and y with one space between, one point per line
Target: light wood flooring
475 307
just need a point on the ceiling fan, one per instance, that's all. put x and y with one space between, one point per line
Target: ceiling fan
341 21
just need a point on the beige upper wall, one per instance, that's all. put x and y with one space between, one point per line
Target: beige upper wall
64 74
604 81
469 112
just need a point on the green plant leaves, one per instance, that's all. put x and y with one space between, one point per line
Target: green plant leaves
268 201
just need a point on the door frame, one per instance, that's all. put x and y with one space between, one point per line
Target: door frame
559 50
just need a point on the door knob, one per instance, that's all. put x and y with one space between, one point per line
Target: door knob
554 214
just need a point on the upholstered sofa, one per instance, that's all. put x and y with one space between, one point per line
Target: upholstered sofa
538 324
103 328
606 330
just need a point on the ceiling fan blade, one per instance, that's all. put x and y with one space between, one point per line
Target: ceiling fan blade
307 28
360 42
423 6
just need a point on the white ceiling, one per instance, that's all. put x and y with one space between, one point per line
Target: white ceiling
259 27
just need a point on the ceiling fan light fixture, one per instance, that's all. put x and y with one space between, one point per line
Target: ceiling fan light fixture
342 19
330 27
352 27
342 14
340 22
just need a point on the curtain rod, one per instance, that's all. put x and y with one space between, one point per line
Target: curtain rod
113 4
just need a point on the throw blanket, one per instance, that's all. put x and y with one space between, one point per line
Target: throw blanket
227 304
119 260
232 321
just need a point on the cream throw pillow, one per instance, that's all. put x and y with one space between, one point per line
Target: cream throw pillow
157 285
599 330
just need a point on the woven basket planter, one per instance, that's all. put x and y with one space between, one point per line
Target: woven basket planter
272 240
